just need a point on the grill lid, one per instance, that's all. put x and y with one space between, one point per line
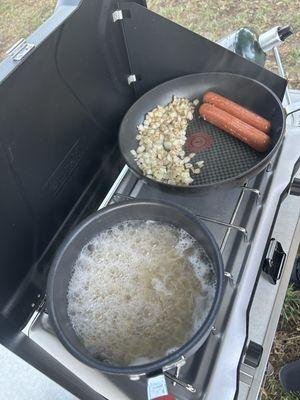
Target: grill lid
61 104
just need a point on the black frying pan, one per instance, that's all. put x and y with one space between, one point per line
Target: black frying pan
227 161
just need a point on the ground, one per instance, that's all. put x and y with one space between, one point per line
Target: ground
212 19
217 18
18 18
286 347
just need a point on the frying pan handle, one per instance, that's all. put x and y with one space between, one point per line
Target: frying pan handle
291 108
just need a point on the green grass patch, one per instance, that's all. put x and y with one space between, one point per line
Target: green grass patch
210 18
217 18
20 18
286 347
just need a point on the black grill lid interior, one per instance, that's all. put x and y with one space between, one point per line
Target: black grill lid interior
60 111
160 50
59 115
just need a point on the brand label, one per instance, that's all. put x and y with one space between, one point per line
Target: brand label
157 387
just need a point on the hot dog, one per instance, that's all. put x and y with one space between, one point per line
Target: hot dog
239 129
238 111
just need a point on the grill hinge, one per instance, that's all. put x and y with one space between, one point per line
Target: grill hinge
117 15
20 50
131 79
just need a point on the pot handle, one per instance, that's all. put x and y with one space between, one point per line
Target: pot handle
157 388
292 108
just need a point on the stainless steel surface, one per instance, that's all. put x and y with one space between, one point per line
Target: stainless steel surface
292 108
66 3
270 39
175 379
177 372
114 188
229 225
177 364
20 50
281 72
235 332
229 276
279 65
295 118
214 369
15 46
99 382
178 367
228 42
269 298
220 358
231 222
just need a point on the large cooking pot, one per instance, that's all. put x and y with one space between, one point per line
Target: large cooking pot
227 161
70 249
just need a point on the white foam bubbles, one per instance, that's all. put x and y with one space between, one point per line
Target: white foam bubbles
139 290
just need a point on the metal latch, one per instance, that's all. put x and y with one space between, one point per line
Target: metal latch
20 49
274 261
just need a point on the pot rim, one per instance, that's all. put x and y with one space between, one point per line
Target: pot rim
195 341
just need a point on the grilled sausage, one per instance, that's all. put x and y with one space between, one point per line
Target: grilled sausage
238 111
239 129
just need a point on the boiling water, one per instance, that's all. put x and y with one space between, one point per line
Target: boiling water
139 291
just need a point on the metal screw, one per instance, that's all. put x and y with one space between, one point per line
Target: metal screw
135 377
228 275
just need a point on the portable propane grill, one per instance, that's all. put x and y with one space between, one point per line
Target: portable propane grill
64 183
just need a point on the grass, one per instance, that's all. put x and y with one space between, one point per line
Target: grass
212 19
273 391
290 315
18 18
286 347
217 18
